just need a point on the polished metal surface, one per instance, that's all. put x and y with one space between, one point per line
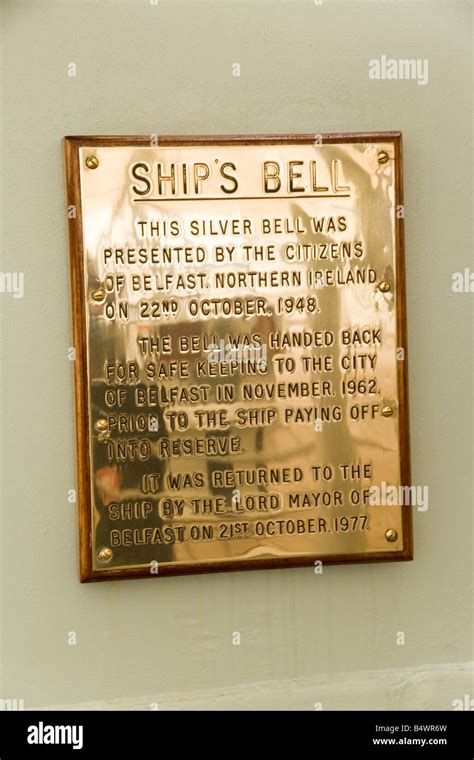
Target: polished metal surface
241 323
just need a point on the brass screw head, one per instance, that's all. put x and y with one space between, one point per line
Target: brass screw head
92 162
105 554
384 286
391 535
387 411
101 425
382 157
98 295
103 436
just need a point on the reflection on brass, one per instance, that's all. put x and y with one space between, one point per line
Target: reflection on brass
92 162
233 363
105 554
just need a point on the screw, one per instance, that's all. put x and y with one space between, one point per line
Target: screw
387 411
101 425
384 286
92 162
382 157
105 554
98 295
103 436
391 535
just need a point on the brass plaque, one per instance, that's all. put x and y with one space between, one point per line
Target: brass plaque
240 352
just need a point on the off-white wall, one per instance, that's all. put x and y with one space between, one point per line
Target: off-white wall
167 68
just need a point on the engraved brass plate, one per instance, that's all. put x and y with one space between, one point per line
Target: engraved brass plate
239 327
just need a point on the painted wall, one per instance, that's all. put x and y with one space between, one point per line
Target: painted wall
147 68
